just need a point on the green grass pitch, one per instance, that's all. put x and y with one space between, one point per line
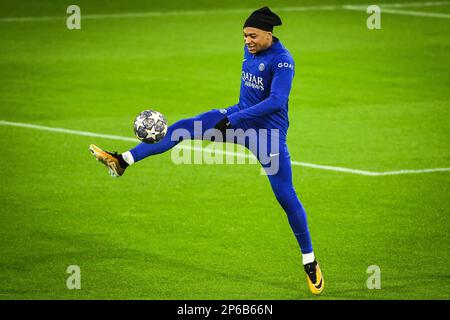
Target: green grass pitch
375 100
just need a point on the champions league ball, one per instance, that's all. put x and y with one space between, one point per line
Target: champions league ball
150 126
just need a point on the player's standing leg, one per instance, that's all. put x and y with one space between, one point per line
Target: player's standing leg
283 188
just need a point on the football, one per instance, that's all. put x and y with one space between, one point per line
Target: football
150 126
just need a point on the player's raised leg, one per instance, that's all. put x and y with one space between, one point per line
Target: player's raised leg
192 128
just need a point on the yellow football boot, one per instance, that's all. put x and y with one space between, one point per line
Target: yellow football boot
110 160
314 277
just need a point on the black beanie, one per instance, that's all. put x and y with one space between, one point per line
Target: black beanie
263 19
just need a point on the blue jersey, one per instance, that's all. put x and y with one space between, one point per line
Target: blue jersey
265 86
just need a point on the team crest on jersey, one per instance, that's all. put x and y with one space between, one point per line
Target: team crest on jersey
261 67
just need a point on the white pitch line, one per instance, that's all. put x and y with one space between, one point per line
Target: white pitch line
412 171
415 4
62 130
338 169
237 154
402 12
416 13
125 15
368 173
163 13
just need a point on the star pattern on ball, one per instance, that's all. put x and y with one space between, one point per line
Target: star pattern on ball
139 123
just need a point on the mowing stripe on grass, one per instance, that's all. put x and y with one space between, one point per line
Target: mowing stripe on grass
236 154
125 15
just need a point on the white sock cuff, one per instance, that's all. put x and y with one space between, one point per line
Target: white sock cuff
308 258
128 157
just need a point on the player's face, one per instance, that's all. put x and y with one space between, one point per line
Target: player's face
257 40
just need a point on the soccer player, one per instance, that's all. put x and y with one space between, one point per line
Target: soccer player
267 75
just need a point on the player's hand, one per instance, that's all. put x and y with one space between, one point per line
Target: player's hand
223 125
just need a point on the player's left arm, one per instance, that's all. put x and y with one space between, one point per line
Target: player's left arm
283 74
